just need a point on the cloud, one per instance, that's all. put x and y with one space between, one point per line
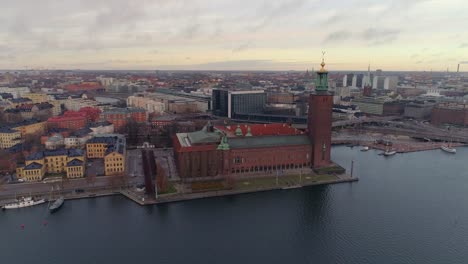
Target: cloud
190 31
118 13
463 45
463 62
338 36
242 47
414 56
377 36
270 11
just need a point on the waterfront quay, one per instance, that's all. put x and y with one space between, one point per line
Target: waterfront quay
240 186
183 191
381 141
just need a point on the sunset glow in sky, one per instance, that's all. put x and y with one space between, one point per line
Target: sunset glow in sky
233 34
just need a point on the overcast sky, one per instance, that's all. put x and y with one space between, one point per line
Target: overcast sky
233 34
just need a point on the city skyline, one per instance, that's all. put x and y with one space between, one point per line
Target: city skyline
227 35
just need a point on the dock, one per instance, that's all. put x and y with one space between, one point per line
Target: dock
179 197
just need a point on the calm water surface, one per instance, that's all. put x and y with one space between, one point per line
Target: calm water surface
409 208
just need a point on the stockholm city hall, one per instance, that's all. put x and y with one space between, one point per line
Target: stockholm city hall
252 150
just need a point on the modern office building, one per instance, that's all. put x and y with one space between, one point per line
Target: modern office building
228 103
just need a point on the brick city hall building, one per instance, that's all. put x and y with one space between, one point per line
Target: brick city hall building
255 149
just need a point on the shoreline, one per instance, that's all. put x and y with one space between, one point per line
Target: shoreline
181 197
171 198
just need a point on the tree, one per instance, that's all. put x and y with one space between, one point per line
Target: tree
132 131
161 178
32 142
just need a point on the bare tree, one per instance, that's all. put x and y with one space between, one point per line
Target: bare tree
161 178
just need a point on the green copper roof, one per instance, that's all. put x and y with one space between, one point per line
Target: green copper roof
238 131
224 144
203 136
268 141
249 133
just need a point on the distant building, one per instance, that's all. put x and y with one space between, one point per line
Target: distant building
450 113
385 83
418 110
54 142
348 80
228 103
15 91
120 116
30 127
36 97
9 137
84 87
5 96
103 127
358 80
371 106
70 120
15 102
150 105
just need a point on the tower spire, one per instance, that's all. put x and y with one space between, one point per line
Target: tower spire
323 62
321 82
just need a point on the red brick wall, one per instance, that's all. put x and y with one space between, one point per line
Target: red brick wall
319 126
441 116
267 159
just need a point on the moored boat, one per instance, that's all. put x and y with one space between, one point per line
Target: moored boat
389 153
56 204
448 149
365 148
23 202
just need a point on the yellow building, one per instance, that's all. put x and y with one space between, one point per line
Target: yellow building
31 126
110 147
36 97
114 163
32 172
69 161
57 109
75 169
9 138
95 150
15 102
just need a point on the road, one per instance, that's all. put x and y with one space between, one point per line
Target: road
134 177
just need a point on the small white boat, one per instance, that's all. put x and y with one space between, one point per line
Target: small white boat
389 153
23 202
291 187
365 148
448 149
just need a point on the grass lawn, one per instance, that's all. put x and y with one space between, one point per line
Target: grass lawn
285 180
170 189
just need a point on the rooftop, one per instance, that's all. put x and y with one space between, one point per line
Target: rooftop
268 141
75 162
33 166
260 129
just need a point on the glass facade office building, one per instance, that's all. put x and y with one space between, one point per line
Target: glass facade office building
229 103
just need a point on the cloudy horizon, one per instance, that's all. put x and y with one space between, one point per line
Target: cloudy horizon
418 35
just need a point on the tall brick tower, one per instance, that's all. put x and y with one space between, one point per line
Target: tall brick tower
320 120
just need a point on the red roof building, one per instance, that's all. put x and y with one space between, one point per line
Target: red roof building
84 86
120 116
276 129
74 120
